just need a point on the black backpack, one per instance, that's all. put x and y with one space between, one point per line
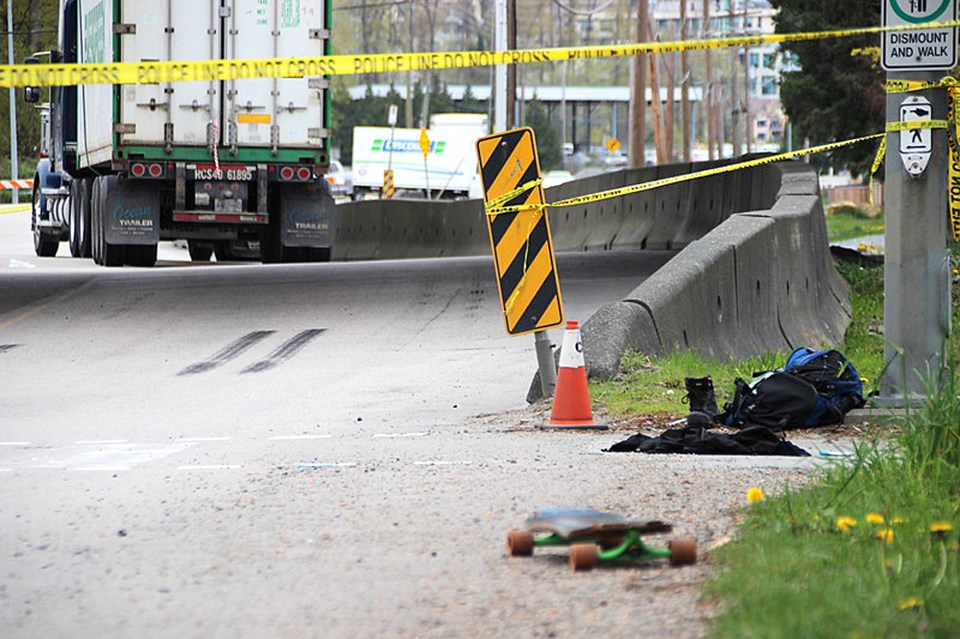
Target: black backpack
815 388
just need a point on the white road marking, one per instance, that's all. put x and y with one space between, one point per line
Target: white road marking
296 437
203 439
442 463
325 465
6 470
397 435
99 457
101 441
210 467
14 443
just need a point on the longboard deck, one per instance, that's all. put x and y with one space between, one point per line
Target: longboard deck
576 523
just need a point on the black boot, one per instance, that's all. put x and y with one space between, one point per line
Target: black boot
700 395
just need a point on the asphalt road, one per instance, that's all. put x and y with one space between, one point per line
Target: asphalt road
331 450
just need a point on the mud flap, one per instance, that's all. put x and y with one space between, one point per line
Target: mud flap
132 213
306 214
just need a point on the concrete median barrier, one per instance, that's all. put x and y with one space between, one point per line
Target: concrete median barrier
761 279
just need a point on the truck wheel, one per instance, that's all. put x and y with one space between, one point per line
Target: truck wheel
43 245
110 254
95 252
199 251
84 218
77 227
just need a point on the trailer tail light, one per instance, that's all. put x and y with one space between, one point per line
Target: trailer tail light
296 173
142 170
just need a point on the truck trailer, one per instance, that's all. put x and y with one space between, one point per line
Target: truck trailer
223 165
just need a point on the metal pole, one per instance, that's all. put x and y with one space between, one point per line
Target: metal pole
14 163
548 367
916 285
500 44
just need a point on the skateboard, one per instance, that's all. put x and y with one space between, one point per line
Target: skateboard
595 536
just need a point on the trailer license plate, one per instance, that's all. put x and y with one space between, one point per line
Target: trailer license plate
229 206
231 175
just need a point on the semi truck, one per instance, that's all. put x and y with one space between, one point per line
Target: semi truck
449 169
225 165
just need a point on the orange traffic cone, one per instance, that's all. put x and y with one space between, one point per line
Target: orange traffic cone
571 400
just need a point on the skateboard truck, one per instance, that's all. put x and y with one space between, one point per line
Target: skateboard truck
595 537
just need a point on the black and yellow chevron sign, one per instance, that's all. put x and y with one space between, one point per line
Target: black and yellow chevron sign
520 239
387 190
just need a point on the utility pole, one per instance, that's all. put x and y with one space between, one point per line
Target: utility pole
14 163
734 97
747 124
709 97
685 84
916 283
638 99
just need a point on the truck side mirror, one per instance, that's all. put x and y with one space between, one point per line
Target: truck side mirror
31 95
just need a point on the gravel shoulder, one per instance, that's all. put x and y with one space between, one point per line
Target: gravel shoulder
401 537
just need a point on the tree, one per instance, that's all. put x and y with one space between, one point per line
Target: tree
548 138
34 29
834 95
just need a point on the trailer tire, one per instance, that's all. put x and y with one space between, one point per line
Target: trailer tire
84 218
43 244
95 251
199 250
80 218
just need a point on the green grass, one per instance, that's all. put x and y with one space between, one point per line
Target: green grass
846 223
792 572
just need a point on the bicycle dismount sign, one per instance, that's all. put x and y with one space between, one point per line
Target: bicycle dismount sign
919 49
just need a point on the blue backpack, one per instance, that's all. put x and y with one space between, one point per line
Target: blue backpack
814 388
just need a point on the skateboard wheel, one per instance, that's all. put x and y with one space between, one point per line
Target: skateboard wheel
584 556
683 550
520 543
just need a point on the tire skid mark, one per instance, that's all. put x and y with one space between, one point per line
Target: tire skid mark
224 355
286 350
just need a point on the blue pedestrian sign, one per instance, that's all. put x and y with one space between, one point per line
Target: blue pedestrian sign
919 49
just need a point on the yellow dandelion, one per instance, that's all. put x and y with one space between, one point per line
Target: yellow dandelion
875 518
941 527
755 494
897 520
910 602
846 523
885 534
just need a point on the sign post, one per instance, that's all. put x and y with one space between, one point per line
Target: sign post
520 239
916 283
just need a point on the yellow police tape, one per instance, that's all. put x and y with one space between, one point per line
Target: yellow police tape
213 70
646 186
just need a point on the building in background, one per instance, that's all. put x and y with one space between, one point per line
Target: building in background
744 89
